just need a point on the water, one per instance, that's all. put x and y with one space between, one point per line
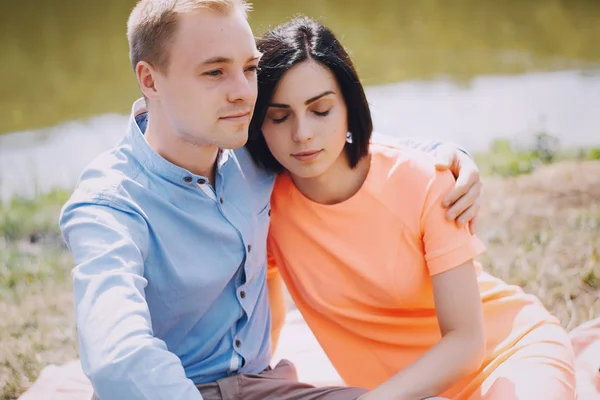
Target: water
464 70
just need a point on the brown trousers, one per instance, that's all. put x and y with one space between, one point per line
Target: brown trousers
279 383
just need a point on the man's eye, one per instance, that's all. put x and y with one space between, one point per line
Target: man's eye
253 68
216 72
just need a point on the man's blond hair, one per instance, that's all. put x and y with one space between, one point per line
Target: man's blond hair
152 23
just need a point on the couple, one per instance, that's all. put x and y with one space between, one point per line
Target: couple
180 242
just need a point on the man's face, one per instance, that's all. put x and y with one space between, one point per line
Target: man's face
209 89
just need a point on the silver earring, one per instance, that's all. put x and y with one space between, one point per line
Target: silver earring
349 137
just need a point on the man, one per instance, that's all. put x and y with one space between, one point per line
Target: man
168 230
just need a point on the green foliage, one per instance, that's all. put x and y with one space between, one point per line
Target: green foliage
505 158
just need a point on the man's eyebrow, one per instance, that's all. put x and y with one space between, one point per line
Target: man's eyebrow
217 60
254 58
225 60
307 102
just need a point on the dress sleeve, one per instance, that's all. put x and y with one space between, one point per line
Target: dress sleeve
446 246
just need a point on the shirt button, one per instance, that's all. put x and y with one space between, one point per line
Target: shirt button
269 212
249 248
201 181
221 200
243 294
238 343
187 179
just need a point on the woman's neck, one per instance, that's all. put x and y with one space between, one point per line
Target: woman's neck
337 184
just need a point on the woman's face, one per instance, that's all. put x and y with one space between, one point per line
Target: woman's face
306 123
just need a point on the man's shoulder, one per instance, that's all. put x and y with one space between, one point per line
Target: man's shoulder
103 180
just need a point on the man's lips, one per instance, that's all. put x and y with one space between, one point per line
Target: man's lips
307 156
241 116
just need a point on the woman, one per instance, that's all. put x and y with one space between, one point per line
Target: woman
387 285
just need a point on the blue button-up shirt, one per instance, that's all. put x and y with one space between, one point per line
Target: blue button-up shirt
169 276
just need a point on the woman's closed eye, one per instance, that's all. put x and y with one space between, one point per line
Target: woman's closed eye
279 120
322 113
283 118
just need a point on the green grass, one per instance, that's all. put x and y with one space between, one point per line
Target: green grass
22 218
36 327
504 158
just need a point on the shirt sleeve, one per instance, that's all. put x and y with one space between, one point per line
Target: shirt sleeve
118 351
428 146
276 299
446 246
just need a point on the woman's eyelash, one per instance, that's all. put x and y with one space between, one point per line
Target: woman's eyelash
279 120
282 119
322 114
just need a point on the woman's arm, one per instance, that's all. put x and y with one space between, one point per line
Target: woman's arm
459 352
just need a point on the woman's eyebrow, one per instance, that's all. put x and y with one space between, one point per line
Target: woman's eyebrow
313 99
307 102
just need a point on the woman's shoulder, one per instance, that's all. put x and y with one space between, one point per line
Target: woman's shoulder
397 158
401 178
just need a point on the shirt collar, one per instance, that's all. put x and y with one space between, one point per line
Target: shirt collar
150 158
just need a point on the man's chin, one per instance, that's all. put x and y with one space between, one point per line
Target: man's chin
234 140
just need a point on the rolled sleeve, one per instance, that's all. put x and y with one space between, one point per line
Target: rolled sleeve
118 351
446 245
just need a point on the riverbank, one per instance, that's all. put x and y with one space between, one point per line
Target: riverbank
487 108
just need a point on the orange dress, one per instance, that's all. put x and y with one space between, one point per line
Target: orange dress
360 274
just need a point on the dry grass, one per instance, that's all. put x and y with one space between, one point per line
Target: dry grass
542 231
37 329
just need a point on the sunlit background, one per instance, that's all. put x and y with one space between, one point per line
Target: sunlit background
516 82
465 70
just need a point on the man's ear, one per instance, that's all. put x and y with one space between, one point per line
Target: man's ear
146 75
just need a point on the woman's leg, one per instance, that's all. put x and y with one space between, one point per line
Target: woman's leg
541 368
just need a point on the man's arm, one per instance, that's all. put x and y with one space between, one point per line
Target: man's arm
427 146
118 351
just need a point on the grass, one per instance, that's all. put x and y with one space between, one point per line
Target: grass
37 326
540 221
543 233
505 158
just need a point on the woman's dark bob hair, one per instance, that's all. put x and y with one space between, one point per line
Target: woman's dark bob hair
296 41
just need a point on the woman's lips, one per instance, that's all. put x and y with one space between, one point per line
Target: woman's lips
307 156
